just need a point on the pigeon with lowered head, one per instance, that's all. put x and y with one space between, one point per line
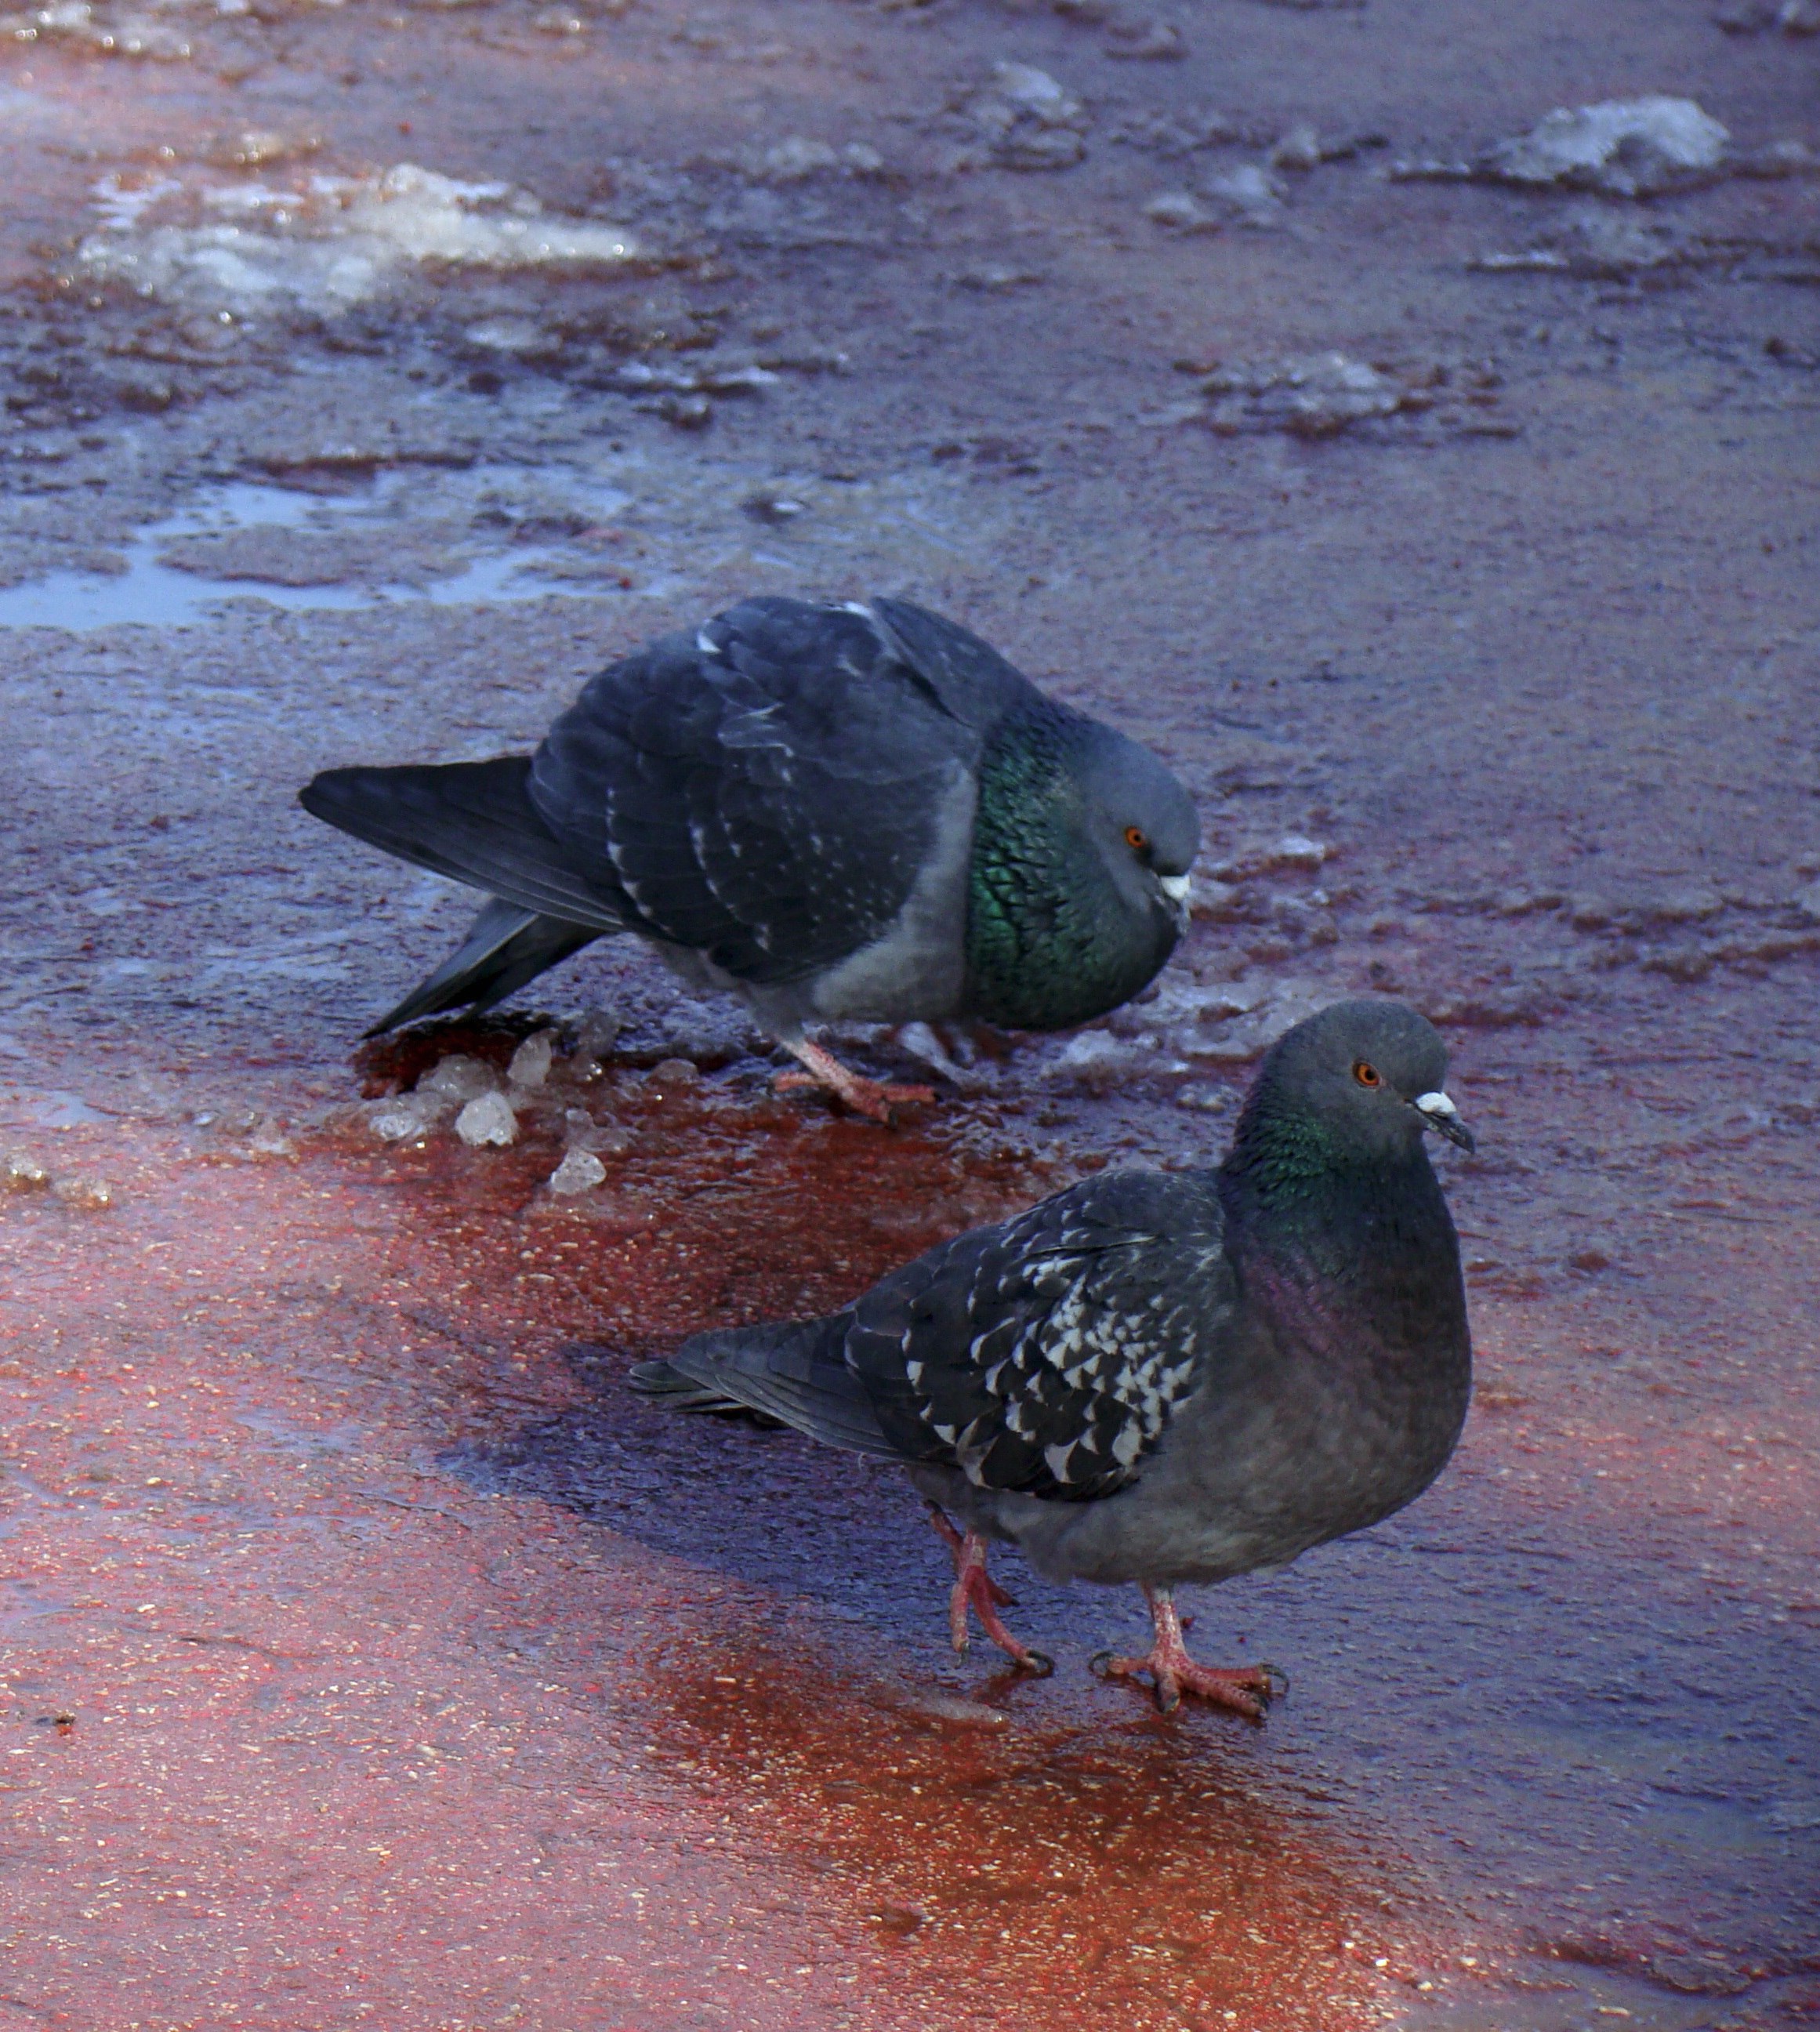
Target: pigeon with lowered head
837 812
1163 1378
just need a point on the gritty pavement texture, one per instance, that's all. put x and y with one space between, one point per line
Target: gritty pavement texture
370 376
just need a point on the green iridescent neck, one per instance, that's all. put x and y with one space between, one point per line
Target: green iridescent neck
1050 943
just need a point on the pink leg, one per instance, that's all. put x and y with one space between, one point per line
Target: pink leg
874 1099
975 1589
1247 1688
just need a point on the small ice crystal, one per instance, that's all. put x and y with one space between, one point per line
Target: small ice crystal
90 1194
21 1173
402 1120
458 1077
1034 91
1182 212
579 1171
1296 849
1030 121
1095 1060
788 160
599 1027
487 1119
530 1066
1248 194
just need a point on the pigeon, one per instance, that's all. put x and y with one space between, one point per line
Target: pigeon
839 811
1163 1378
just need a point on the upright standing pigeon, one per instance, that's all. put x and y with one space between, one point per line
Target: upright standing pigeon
1163 1378
837 812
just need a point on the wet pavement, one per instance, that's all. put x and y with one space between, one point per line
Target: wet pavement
371 376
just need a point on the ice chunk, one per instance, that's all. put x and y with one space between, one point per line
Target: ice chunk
1622 147
676 1072
579 1171
1248 194
594 1040
1181 211
1208 1099
21 1173
1028 120
1629 147
1097 1060
1142 41
530 1066
1296 849
523 337
92 1195
1297 147
795 157
1589 240
1317 396
1036 92
458 1077
406 1117
336 242
487 1119
582 1132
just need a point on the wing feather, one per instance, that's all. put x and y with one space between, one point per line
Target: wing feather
1048 1354
766 789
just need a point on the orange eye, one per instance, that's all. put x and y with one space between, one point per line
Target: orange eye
1365 1073
1136 839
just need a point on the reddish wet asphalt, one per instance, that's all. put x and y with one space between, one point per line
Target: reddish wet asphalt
370 1656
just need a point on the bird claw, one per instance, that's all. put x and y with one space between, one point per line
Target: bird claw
975 1590
1247 1689
876 1100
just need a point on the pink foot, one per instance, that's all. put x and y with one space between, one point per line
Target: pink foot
1247 1689
873 1099
975 1590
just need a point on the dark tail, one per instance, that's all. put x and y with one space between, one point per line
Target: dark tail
474 821
506 947
793 1373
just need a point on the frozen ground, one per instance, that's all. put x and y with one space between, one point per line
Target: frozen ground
1432 480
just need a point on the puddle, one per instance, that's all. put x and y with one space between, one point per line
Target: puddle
485 535
153 592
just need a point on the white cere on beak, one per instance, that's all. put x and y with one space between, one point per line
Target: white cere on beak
1436 1104
1177 887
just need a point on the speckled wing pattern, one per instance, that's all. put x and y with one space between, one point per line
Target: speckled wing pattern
1048 1354
766 790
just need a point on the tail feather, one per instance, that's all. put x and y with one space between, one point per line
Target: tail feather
506 948
792 1372
473 821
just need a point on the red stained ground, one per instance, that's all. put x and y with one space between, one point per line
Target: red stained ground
371 1656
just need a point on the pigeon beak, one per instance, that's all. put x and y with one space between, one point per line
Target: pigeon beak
1439 1114
1176 888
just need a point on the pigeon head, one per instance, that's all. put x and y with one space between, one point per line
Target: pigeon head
1078 884
1355 1087
1140 819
